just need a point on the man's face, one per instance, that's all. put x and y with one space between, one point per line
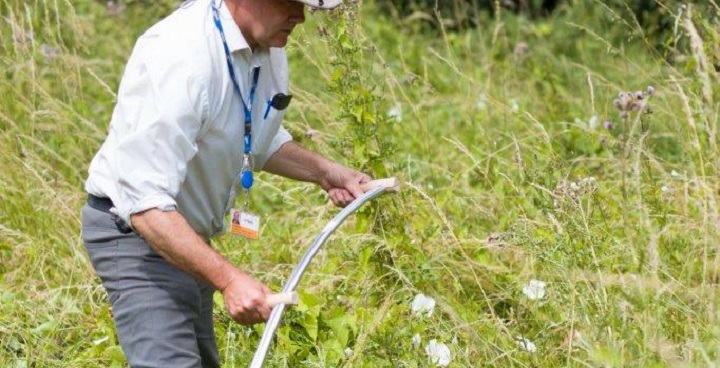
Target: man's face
274 21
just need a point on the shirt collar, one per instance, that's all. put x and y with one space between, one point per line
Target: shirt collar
233 36
259 58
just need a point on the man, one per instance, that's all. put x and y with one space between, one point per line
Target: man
199 106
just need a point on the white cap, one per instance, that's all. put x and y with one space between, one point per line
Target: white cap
322 4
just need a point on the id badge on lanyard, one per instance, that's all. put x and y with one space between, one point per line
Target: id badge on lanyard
242 221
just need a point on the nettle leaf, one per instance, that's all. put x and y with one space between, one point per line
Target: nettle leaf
309 308
337 75
310 324
367 117
363 258
47 326
308 302
291 344
341 323
357 113
345 43
341 28
332 352
359 149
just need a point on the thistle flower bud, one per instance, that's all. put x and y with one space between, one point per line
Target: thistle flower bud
631 101
623 101
608 124
49 52
521 52
114 8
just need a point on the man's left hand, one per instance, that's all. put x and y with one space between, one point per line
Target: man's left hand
343 184
295 162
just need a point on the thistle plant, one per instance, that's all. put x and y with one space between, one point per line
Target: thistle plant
570 193
633 106
366 136
633 102
361 141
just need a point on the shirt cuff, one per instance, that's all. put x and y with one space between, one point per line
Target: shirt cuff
280 138
160 201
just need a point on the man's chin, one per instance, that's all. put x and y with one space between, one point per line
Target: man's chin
279 42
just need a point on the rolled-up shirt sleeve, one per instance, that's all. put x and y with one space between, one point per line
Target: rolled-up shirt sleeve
280 138
159 115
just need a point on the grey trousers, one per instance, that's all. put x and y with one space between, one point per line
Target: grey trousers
163 316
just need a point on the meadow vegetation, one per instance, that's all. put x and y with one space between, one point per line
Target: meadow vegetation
570 150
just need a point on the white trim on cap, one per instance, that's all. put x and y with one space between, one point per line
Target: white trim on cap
322 4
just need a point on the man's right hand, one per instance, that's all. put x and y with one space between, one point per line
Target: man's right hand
246 299
171 236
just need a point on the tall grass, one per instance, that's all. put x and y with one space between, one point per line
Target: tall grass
510 174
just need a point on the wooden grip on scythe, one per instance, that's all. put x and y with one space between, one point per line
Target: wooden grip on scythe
290 298
389 185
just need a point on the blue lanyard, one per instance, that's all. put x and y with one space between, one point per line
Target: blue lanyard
246 177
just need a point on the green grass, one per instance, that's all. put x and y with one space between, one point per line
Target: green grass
495 150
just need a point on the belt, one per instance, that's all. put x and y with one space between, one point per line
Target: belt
105 204
100 203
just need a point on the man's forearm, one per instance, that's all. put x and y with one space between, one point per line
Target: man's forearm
341 183
295 162
173 238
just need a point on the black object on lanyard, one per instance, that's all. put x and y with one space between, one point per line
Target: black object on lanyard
246 176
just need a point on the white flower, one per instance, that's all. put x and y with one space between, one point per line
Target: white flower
396 112
675 174
423 304
593 123
348 352
416 340
664 189
482 102
534 290
526 344
514 105
438 353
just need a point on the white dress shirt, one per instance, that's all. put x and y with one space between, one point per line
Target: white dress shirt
176 134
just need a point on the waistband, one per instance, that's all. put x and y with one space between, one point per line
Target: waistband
100 203
105 204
